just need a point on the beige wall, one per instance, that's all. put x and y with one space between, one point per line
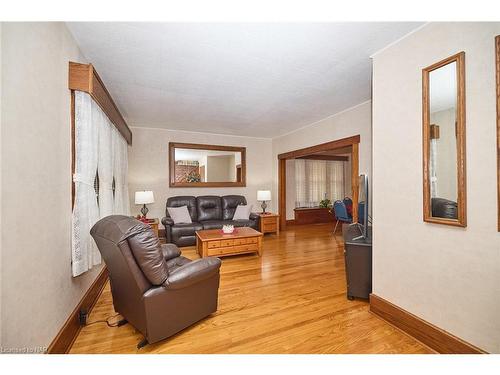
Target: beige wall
220 168
446 275
1 271
148 166
354 121
36 184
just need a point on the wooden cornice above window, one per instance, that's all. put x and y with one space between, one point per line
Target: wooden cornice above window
83 77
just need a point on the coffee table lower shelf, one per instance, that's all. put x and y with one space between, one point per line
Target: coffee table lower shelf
214 243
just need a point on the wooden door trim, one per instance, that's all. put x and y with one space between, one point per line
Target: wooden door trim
300 153
339 143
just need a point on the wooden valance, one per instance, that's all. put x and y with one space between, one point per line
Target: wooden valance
83 77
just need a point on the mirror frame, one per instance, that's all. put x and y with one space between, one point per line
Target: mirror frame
195 146
461 220
497 58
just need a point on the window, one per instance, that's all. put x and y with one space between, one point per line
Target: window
316 180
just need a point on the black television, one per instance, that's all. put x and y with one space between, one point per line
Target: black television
363 217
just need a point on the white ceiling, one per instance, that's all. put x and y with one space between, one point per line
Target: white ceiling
253 79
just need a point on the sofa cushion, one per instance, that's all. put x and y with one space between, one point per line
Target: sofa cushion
179 230
229 204
242 223
179 201
147 252
180 215
209 208
217 224
214 224
242 212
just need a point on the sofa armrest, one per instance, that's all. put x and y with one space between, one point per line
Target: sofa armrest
192 273
170 251
254 216
167 221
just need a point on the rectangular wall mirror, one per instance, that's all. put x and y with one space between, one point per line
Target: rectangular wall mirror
443 107
198 165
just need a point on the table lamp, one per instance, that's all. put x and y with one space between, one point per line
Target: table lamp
144 197
263 196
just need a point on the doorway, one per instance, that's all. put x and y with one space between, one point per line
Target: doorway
325 151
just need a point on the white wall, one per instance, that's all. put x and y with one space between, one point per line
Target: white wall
38 292
354 121
148 166
446 275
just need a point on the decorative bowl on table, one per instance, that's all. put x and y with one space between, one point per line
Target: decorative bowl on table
227 229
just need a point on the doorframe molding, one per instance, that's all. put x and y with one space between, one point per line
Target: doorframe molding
339 143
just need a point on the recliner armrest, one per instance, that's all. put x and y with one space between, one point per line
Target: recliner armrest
170 251
167 221
192 273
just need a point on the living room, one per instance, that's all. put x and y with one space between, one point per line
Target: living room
213 133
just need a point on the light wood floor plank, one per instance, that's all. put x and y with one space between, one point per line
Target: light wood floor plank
290 300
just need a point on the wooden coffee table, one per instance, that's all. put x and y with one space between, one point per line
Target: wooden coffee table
213 242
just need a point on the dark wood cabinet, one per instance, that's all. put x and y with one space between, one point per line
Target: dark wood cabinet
314 215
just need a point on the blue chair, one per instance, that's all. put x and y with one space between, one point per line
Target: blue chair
341 214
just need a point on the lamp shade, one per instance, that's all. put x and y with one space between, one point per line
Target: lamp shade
144 197
263 195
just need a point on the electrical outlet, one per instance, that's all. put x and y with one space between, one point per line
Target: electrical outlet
83 317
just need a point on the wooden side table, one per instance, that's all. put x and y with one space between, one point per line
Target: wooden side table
153 223
269 223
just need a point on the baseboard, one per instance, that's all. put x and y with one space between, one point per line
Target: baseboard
290 222
68 333
425 332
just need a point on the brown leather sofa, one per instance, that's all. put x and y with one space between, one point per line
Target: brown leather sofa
156 289
207 212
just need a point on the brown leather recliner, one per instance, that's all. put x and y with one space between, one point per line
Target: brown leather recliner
156 289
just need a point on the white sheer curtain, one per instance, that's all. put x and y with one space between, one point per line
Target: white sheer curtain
122 204
85 210
99 150
316 180
105 164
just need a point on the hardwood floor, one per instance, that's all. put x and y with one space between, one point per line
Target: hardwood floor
291 300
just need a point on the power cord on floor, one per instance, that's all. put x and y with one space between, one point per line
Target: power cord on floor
114 324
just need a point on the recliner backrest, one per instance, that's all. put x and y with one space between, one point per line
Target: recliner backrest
209 207
180 201
146 249
229 204
128 282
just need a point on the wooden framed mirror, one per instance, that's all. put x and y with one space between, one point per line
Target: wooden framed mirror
497 57
444 167
199 165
